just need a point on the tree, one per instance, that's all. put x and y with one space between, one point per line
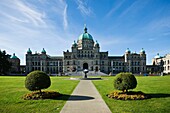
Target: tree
37 80
5 65
125 81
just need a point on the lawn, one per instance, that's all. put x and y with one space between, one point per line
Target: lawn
156 86
12 89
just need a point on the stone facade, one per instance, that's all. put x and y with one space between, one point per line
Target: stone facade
166 64
15 64
129 62
42 61
162 64
86 54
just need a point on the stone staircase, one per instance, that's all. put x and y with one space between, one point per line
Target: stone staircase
90 73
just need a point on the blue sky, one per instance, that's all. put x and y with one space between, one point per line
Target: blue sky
55 24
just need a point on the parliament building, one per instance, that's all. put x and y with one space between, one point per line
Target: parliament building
85 54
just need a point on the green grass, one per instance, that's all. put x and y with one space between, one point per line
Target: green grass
12 89
158 87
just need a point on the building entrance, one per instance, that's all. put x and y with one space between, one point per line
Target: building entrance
85 66
96 69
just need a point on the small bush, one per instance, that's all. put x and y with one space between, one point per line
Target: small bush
37 80
125 81
42 95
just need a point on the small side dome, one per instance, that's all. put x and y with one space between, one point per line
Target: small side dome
74 44
142 50
96 44
29 51
14 57
157 56
43 51
128 50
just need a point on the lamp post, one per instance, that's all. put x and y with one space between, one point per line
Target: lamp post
113 70
85 72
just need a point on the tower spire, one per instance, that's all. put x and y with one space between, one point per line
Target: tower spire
85 28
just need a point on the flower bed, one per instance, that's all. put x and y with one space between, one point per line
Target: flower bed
44 95
131 95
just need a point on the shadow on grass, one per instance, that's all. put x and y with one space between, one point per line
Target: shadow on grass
74 97
158 95
135 95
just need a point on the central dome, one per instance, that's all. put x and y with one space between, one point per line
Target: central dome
85 35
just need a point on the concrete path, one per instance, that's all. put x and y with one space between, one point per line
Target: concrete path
85 99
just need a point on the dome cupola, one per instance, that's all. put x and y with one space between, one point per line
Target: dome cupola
157 56
14 57
29 51
128 50
96 44
142 50
85 35
43 51
74 44
85 41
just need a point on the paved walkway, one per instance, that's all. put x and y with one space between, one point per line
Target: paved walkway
85 99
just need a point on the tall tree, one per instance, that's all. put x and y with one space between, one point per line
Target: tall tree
5 65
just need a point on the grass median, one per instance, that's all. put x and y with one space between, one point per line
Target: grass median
156 86
12 89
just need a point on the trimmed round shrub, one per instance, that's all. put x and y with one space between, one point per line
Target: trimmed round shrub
125 81
37 80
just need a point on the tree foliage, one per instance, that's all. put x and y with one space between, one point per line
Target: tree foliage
125 81
37 80
5 65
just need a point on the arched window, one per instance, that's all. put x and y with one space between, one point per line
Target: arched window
74 63
96 62
68 63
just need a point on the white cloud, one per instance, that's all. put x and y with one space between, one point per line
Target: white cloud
115 8
157 28
20 11
25 24
59 9
151 39
65 22
134 8
35 16
114 40
83 7
160 23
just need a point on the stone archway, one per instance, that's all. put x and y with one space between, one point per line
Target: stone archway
85 66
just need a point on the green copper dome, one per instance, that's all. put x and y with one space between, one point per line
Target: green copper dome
43 51
14 57
157 56
128 50
142 50
29 50
96 44
74 44
85 35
